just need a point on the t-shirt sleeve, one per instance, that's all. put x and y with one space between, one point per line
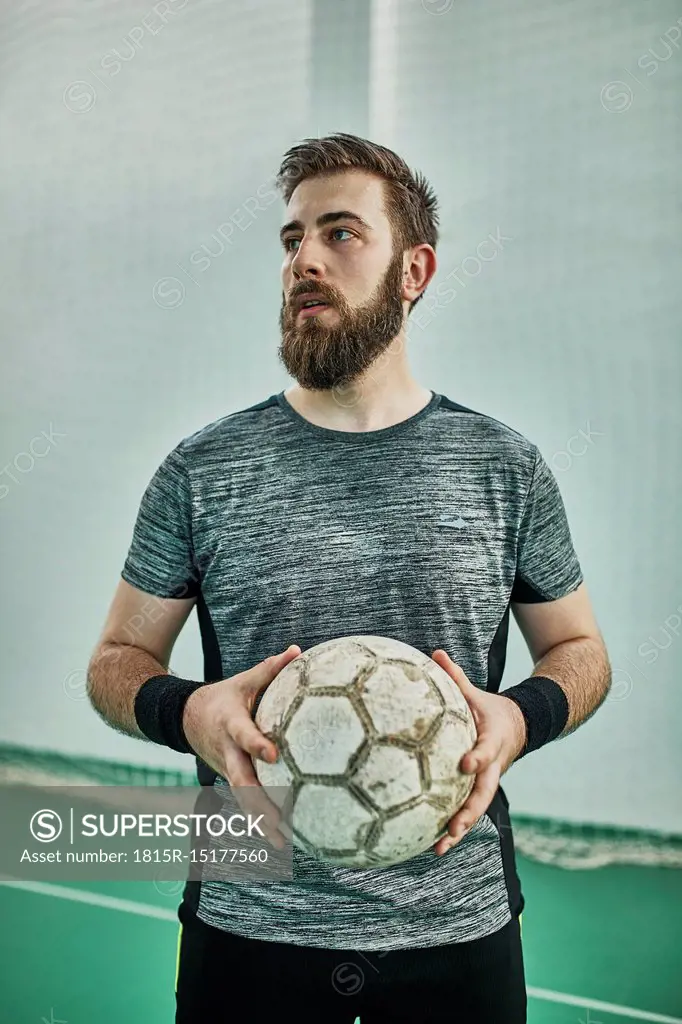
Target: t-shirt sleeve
161 557
547 566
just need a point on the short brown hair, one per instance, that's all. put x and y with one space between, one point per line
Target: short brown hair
411 203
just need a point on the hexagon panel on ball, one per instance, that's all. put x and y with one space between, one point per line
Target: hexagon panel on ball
334 666
389 776
323 734
331 818
409 833
399 706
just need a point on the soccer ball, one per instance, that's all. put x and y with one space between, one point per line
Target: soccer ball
370 733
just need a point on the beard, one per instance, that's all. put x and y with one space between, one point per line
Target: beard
321 357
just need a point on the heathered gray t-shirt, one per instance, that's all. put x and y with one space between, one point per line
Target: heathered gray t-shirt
292 533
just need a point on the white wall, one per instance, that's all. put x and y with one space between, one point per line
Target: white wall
555 125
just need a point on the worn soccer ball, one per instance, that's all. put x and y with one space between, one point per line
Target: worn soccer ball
370 733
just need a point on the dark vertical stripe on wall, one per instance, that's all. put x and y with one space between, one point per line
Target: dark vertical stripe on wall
340 66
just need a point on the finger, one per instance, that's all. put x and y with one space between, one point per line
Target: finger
254 800
443 845
245 734
477 803
251 682
244 729
487 748
244 781
249 793
239 766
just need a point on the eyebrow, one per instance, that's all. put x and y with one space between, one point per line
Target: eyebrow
326 218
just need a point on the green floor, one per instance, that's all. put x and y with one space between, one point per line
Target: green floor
600 947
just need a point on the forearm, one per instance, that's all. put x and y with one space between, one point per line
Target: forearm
582 670
115 675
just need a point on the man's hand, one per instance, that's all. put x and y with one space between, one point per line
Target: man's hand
501 732
219 727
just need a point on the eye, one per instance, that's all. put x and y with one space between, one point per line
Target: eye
287 241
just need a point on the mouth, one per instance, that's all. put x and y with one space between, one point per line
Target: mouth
310 304
313 309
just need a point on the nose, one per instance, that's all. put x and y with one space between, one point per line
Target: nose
306 261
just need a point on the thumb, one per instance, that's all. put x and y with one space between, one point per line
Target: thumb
263 673
472 695
455 672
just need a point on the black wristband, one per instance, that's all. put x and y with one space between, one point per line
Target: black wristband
159 706
544 706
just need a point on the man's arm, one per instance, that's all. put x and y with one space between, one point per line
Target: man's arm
566 645
136 644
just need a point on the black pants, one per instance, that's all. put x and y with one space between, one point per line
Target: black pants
227 979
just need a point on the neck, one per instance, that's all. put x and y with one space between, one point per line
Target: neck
385 394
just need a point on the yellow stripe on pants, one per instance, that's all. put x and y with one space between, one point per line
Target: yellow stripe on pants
177 959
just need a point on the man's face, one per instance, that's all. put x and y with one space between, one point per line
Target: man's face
352 266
